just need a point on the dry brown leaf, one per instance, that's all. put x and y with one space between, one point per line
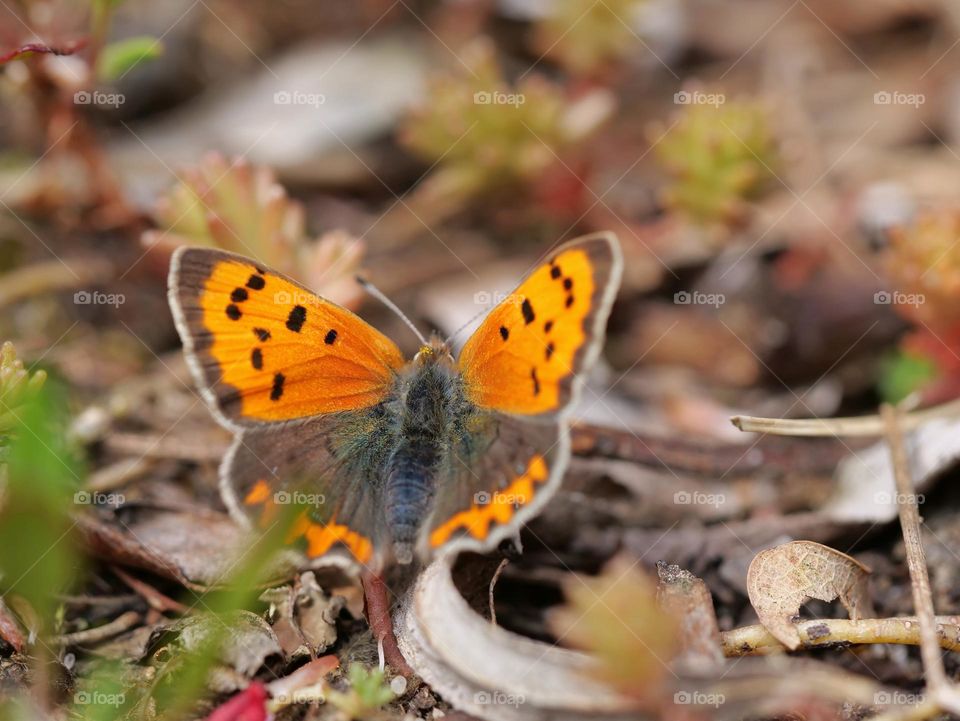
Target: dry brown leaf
616 618
780 579
687 600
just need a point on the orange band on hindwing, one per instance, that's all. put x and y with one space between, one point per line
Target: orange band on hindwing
500 507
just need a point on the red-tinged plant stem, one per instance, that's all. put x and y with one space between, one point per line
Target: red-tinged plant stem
377 601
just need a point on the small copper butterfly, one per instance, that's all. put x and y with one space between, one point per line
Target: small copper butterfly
396 459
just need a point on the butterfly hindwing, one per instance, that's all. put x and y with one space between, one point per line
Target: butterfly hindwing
263 348
526 356
328 468
494 478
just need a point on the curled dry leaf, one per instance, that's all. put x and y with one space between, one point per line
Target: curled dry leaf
304 617
489 672
316 613
780 579
248 644
281 619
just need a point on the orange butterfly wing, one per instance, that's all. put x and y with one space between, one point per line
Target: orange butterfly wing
264 348
526 356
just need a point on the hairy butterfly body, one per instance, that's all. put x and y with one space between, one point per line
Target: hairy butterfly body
390 460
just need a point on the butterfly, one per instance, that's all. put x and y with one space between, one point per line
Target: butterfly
391 459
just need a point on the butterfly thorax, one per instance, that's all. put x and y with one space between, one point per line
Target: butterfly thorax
429 393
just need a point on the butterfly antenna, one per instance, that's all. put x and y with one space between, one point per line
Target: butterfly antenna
378 294
466 325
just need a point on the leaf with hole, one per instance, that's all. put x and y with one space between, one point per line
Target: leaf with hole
781 579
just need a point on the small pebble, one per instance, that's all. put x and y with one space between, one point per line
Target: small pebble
398 684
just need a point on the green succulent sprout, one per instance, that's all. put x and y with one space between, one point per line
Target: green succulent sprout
586 39
484 132
368 693
17 386
718 157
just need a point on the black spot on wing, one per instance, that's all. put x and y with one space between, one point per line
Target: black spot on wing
504 332
277 391
569 301
239 295
567 283
550 349
555 271
330 337
262 333
233 312
256 358
527 310
536 381
296 319
548 326
256 282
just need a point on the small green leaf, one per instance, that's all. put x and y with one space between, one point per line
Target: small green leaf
370 686
901 374
368 693
118 58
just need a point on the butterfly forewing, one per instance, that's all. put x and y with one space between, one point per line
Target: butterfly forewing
264 348
526 356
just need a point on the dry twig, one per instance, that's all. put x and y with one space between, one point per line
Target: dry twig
123 622
853 426
757 640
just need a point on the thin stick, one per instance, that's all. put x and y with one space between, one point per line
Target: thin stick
156 600
757 641
121 623
493 584
934 672
852 426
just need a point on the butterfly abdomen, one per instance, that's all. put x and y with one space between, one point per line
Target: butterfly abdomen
411 473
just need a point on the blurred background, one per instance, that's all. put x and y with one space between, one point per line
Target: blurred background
769 167
782 176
